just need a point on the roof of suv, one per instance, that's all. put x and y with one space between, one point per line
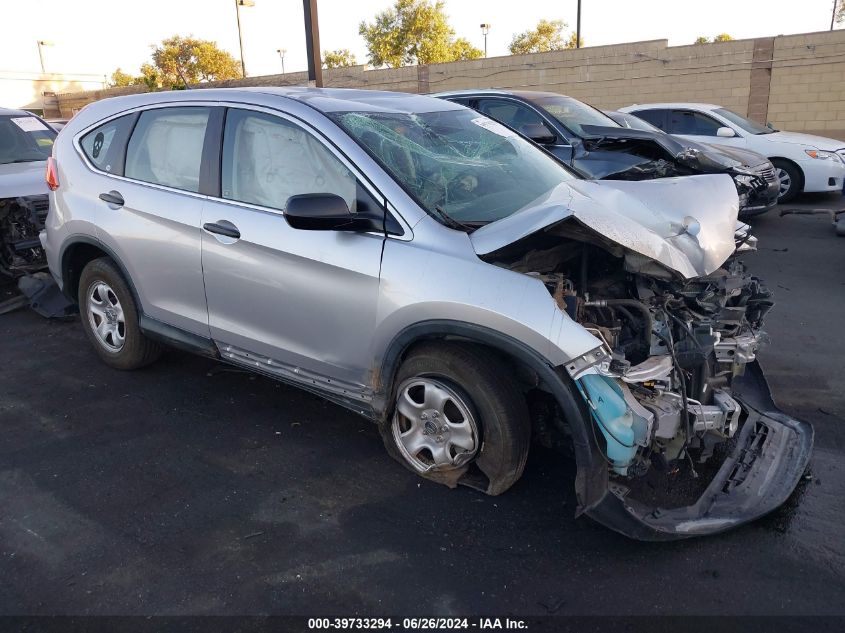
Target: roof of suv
322 99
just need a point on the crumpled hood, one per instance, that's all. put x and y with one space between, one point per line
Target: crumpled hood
646 217
22 179
741 155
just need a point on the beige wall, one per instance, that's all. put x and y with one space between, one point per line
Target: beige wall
26 90
797 82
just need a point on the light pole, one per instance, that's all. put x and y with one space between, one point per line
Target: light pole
485 29
281 52
578 27
833 14
41 44
238 5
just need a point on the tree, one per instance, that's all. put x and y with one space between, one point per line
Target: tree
180 61
120 79
840 12
721 37
340 58
414 32
548 36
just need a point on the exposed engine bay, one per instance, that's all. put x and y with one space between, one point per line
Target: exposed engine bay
663 393
21 219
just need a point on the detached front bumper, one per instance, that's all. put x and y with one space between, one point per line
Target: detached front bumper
770 456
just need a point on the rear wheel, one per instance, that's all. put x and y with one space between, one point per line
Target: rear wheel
790 180
458 418
110 317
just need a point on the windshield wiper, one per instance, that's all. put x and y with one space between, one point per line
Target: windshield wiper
451 222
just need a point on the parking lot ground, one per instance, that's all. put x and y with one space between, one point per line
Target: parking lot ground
188 488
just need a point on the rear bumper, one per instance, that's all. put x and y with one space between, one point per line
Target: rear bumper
770 456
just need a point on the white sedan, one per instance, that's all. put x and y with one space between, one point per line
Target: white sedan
804 162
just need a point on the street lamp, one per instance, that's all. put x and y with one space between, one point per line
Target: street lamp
238 5
485 29
578 27
42 43
281 52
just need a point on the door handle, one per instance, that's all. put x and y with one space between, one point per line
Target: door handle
112 197
222 227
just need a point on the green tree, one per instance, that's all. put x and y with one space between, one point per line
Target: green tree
463 49
179 61
413 32
840 12
340 58
120 79
548 36
721 37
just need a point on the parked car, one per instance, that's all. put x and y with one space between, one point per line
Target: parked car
430 269
585 138
804 162
25 143
57 124
744 159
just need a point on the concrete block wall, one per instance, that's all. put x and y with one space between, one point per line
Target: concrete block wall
797 82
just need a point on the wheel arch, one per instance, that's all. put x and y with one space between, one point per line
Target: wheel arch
592 478
784 159
76 254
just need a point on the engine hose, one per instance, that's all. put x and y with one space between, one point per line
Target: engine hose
629 303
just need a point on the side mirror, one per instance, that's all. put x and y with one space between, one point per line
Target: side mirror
327 212
538 133
725 132
770 126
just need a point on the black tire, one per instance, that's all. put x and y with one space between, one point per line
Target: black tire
840 226
137 350
796 179
497 404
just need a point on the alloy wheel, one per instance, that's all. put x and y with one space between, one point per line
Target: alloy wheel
433 425
105 315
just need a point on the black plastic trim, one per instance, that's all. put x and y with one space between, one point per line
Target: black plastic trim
212 150
177 337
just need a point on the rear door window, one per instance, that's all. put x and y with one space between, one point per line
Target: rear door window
105 145
691 123
656 117
166 147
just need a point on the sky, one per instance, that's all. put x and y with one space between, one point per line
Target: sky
97 36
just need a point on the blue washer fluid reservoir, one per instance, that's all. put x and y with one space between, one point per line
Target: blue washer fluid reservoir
613 416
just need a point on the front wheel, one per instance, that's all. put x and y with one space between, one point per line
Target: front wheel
789 177
458 417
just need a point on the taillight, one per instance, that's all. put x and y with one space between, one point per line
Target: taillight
52 174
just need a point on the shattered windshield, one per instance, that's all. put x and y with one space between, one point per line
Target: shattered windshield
573 113
456 162
24 139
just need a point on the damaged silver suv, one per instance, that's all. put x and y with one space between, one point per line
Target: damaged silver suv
429 269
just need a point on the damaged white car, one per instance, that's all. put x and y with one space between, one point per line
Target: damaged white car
25 144
427 268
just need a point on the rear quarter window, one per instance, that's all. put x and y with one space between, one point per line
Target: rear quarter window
105 145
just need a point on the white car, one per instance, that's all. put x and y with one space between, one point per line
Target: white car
804 162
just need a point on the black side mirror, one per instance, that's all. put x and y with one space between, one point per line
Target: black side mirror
327 212
538 133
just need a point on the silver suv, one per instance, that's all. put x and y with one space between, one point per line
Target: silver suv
429 269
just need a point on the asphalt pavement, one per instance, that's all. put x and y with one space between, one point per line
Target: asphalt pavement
190 488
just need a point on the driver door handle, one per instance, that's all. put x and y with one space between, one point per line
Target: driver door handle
113 198
222 227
